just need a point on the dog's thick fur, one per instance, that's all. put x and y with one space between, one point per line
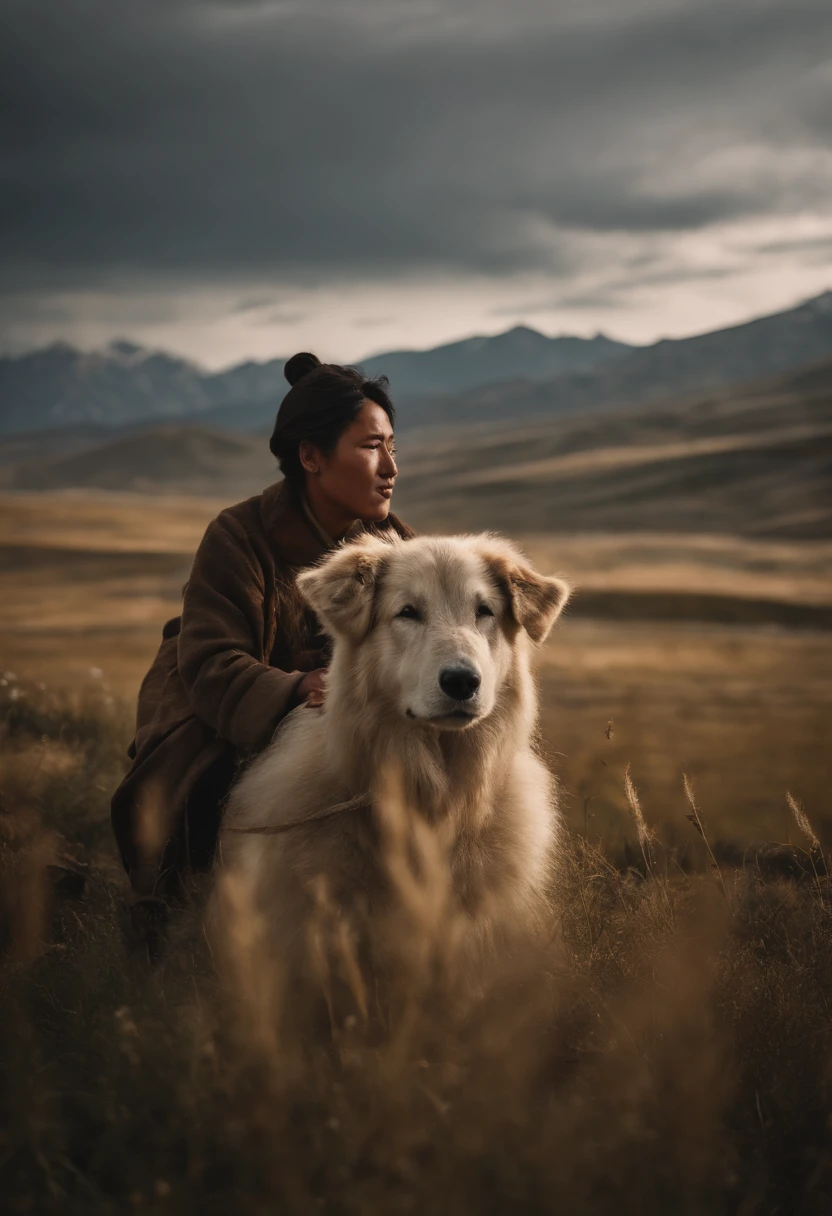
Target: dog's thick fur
403 614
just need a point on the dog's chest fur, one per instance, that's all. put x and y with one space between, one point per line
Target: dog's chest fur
487 865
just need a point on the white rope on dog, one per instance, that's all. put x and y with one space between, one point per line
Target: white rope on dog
360 802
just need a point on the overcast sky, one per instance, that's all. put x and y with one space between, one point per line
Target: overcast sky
234 178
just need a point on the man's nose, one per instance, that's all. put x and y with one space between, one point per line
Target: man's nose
389 465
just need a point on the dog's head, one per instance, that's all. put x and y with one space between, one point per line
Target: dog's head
436 619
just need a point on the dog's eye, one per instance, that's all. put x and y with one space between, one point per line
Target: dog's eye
484 610
409 613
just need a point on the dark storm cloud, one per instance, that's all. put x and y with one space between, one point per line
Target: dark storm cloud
195 139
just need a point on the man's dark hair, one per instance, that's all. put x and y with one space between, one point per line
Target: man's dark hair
322 402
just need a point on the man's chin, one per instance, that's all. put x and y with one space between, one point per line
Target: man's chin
377 510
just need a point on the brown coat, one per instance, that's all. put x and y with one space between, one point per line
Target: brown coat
225 674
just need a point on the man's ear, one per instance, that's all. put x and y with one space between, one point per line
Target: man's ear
341 588
535 600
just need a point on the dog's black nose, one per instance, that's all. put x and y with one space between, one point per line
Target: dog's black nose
460 682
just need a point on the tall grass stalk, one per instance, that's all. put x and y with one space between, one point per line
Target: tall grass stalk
803 822
695 818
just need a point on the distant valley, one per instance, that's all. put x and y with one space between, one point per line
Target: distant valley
677 437
753 460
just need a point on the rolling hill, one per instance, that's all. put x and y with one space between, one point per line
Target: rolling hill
169 456
755 461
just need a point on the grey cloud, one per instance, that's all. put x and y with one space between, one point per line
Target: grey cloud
253 304
810 245
679 274
310 143
590 300
268 310
373 322
282 316
616 289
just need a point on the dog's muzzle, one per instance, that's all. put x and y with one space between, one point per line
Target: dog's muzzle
460 682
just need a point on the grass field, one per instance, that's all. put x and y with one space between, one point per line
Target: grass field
665 1048
745 708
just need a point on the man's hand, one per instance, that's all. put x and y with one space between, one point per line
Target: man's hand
312 688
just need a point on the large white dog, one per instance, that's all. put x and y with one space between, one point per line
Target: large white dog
431 675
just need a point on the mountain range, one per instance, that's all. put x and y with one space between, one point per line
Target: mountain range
668 372
125 384
520 373
520 353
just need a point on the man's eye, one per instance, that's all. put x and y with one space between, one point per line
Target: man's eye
484 610
409 613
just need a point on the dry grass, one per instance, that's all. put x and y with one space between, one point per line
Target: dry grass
666 1049
89 578
102 521
744 712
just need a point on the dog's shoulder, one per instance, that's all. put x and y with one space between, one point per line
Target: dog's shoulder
515 843
287 777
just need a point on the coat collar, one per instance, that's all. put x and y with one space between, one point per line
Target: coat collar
295 535
315 524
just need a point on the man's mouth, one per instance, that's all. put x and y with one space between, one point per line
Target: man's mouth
385 491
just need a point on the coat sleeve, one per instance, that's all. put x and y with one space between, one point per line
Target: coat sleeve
221 641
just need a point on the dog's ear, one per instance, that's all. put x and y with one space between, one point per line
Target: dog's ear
341 589
535 600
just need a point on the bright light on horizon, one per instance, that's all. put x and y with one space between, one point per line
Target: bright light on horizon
220 329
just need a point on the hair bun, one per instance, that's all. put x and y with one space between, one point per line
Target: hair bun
300 365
